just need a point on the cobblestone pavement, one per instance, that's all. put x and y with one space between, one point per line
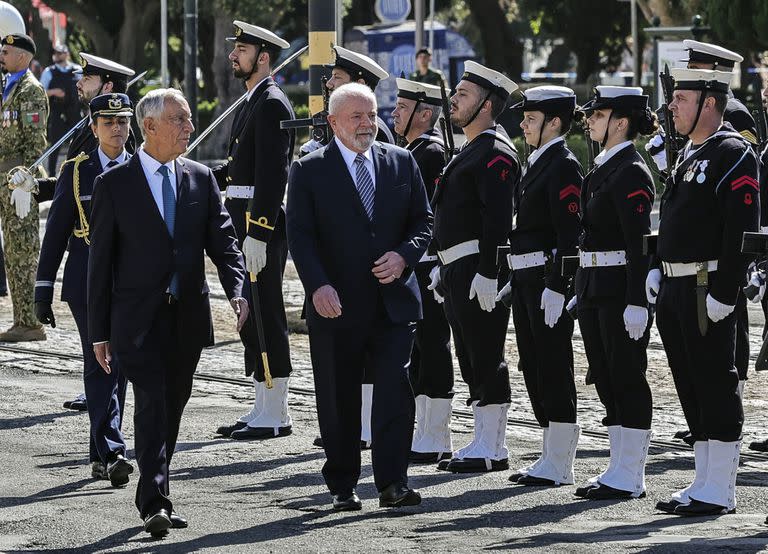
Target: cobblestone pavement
270 496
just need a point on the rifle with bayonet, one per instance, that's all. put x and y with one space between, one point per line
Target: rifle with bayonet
321 131
445 125
672 139
761 126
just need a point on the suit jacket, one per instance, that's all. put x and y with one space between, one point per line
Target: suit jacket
616 203
333 242
133 257
63 219
259 155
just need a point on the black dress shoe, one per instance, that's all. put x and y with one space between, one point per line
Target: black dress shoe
759 446
347 502
668 506
178 521
682 434
79 404
158 523
698 508
397 495
532 481
604 492
118 471
226 430
428 457
582 492
476 465
515 477
442 465
257 433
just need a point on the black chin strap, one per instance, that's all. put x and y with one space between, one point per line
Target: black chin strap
479 107
259 50
605 135
404 137
702 97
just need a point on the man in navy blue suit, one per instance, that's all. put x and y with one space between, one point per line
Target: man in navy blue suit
153 218
358 223
68 229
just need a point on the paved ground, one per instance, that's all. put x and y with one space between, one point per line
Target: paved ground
269 496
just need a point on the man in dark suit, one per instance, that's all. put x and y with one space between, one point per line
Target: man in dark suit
255 177
152 219
358 223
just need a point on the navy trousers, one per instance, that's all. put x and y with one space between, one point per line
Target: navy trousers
105 394
339 357
161 373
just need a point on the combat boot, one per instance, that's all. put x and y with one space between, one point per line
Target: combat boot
23 333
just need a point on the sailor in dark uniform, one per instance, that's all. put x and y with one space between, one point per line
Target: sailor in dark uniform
100 76
67 229
710 200
616 202
348 67
546 227
473 217
416 112
255 177
702 55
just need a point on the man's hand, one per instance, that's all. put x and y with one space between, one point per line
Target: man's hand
56 92
241 309
255 252
389 267
44 313
22 179
326 302
103 355
22 201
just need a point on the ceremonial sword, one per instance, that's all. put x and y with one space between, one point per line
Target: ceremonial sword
45 155
237 102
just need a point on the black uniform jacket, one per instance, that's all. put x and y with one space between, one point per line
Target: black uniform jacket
429 151
473 199
133 257
547 213
63 219
259 155
616 203
741 120
712 197
333 242
764 187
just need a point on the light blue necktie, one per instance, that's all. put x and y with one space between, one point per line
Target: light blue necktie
169 215
364 185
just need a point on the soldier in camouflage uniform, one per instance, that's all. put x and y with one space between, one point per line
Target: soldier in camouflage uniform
24 111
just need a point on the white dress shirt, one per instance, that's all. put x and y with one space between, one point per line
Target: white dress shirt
250 92
349 159
536 154
155 179
606 155
104 159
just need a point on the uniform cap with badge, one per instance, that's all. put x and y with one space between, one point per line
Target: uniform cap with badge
420 92
111 105
20 40
358 66
107 69
701 79
258 36
702 52
548 99
489 79
616 98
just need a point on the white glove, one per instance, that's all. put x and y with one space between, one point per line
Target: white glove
434 277
552 303
506 289
22 200
652 285
571 303
635 321
757 279
717 310
22 179
255 252
309 146
660 157
485 289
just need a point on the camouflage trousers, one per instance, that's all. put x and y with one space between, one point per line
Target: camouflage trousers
22 249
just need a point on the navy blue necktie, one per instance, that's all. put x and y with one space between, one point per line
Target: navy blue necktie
364 185
169 215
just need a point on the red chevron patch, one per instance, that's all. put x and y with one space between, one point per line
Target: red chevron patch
569 190
639 192
744 180
499 159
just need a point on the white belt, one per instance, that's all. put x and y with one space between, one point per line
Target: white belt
687 269
524 261
458 251
238 191
603 259
427 258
